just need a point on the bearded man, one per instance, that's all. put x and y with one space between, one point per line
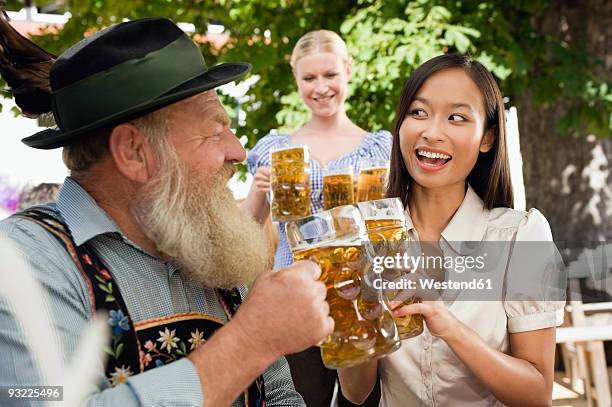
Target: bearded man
146 229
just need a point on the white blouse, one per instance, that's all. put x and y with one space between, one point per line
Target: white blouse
425 371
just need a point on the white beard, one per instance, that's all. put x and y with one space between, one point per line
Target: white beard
200 227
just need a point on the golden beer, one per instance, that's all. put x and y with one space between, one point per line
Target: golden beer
386 225
290 183
390 229
338 190
372 183
409 326
364 326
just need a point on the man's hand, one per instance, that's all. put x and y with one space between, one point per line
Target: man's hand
285 311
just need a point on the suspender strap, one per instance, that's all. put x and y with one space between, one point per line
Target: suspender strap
103 294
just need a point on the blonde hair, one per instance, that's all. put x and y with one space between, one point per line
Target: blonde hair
320 41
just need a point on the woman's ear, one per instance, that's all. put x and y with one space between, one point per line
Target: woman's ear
349 69
487 141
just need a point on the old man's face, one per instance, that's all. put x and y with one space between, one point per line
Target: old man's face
187 209
199 129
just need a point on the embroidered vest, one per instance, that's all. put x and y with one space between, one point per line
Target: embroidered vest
136 348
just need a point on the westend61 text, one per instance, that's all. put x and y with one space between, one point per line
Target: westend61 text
407 262
432 284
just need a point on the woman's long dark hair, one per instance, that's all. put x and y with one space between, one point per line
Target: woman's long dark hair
490 177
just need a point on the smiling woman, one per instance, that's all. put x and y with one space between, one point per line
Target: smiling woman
452 105
450 168
322 68
438 127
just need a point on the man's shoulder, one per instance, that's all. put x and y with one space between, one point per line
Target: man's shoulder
46 257
21 228
35 242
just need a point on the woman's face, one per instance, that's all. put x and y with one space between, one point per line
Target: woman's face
322 80
442 134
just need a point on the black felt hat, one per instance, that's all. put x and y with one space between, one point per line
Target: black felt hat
125 71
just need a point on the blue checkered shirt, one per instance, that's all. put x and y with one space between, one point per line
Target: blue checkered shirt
150 287
374 145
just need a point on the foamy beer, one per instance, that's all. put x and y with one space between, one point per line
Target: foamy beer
364 325
338 187
372 180
386 225
290 183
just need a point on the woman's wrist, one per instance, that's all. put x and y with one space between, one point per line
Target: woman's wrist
456 333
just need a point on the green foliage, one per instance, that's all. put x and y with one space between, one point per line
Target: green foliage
388 40
43 5
14 4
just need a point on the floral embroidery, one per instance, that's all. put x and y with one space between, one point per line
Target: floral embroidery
168 339
87 259
120 375
117 318
197 338
119 322
105 274
145 358
149 345
171 347
56 225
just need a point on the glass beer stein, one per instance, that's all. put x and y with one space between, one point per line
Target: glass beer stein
364 326
372 180
289 183
386 225
338 188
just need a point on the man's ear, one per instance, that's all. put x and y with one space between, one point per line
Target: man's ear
131 153
487 141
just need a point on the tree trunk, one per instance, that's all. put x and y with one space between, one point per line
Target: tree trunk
568 178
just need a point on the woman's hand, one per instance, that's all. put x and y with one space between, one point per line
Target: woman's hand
256 202
261 179
440 321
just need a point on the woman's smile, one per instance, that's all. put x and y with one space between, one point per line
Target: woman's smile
431 159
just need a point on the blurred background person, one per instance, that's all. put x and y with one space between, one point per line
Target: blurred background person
38 194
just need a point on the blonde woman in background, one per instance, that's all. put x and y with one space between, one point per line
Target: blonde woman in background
322 68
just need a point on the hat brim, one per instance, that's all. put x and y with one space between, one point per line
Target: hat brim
216 76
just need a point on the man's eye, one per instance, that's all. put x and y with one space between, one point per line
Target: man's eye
331 75
308 78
